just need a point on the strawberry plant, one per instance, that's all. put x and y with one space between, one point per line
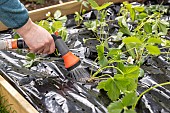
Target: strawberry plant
98 25
78 15
144 39
55 23
141 34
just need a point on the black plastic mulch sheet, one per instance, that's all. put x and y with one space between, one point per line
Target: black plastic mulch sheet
47 89
48 86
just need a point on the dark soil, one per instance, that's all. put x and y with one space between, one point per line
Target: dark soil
34 4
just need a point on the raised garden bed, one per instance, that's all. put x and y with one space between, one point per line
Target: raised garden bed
13 100
45 83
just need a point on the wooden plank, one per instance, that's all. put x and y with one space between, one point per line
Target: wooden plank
17 101
65 8
39 14
100 2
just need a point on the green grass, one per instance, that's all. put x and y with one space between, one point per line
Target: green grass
4 106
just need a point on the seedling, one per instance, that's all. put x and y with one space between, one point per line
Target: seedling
55 23
78 15
97 26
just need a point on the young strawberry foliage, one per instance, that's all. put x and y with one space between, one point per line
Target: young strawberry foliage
78 15
141 31
144 39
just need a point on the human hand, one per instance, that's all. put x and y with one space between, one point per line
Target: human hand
37 38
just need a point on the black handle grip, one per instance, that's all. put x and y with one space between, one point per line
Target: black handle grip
59 44
21 44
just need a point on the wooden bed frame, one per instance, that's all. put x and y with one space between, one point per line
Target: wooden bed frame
65 8
14 98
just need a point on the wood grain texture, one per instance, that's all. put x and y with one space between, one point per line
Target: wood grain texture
65 8
17 101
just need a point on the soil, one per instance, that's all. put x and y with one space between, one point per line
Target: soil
34 4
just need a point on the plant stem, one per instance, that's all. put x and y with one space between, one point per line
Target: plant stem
162 84
93 66
165 52
102 76
98 71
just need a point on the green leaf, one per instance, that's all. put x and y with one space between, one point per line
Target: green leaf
139 8
85 3
153 50
132 14
16 36
155 27
165 42
46 25
91 25
131 71
113 52
105 5
28 64
93 3
121 21
125 30
141 74
57 14
130 48
30 56
131 39
121 82
102 59
142 15
63 33
124 23
128 5
164 22
87 24
78 17
131 10
100 50
154 41
115 107
133 85
148 28
163 28
130 111
106 44
129 99
112 90
57 25
121 66
102 85
63 19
